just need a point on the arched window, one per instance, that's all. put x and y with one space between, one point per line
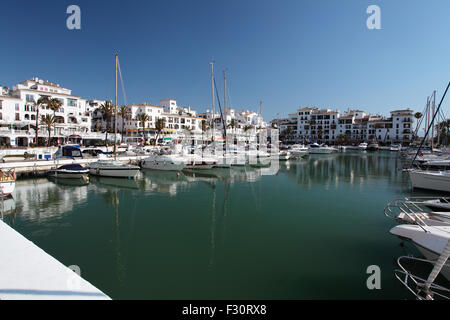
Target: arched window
27 117
33 117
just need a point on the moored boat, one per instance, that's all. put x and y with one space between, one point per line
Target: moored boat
165 162
7 182
70 171
298 151
320 149
374 146
430 180
113 168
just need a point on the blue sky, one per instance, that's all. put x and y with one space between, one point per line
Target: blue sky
286 53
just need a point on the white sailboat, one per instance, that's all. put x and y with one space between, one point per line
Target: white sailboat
114 168
431 180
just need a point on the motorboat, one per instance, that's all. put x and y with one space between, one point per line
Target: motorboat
68 152
395 147
429 231
432 241
430 180
298 151
362 146
420 211
320 149
374 146
165 162
284 155
7 182
199 162
69 171
113 168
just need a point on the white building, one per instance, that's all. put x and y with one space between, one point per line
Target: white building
327 126
18 112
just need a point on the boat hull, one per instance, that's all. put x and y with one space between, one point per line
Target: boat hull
114 172
7 188
321 151
163 165
422 180
68 175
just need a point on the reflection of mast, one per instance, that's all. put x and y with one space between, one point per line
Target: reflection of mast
225 198
213 226
115 201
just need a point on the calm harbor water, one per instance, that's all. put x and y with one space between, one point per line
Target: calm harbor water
308 230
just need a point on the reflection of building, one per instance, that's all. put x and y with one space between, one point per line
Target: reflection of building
18 112
335 169
327 126
32 196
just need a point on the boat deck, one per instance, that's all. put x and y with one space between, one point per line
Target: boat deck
29 273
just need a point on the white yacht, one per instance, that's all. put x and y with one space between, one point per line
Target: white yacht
113 168
362 146
432 241
284 155
165 162
431 180
320 149
298 151
373 146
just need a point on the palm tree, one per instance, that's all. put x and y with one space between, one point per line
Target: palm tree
417 115
107 110
54 105
247 128
142 117
37 104
125 114
160 124
49 121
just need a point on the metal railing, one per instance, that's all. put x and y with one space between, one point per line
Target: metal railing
419 287
415 211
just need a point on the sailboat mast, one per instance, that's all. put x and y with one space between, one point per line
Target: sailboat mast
432 124
213 100
224 89
115 109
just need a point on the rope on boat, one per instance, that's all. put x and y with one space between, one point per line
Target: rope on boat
437 267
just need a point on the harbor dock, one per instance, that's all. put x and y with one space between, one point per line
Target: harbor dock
29 273
42 166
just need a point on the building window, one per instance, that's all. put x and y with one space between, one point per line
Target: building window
17 117
29 98
17 107
71 102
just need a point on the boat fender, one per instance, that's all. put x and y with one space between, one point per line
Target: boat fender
14 175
